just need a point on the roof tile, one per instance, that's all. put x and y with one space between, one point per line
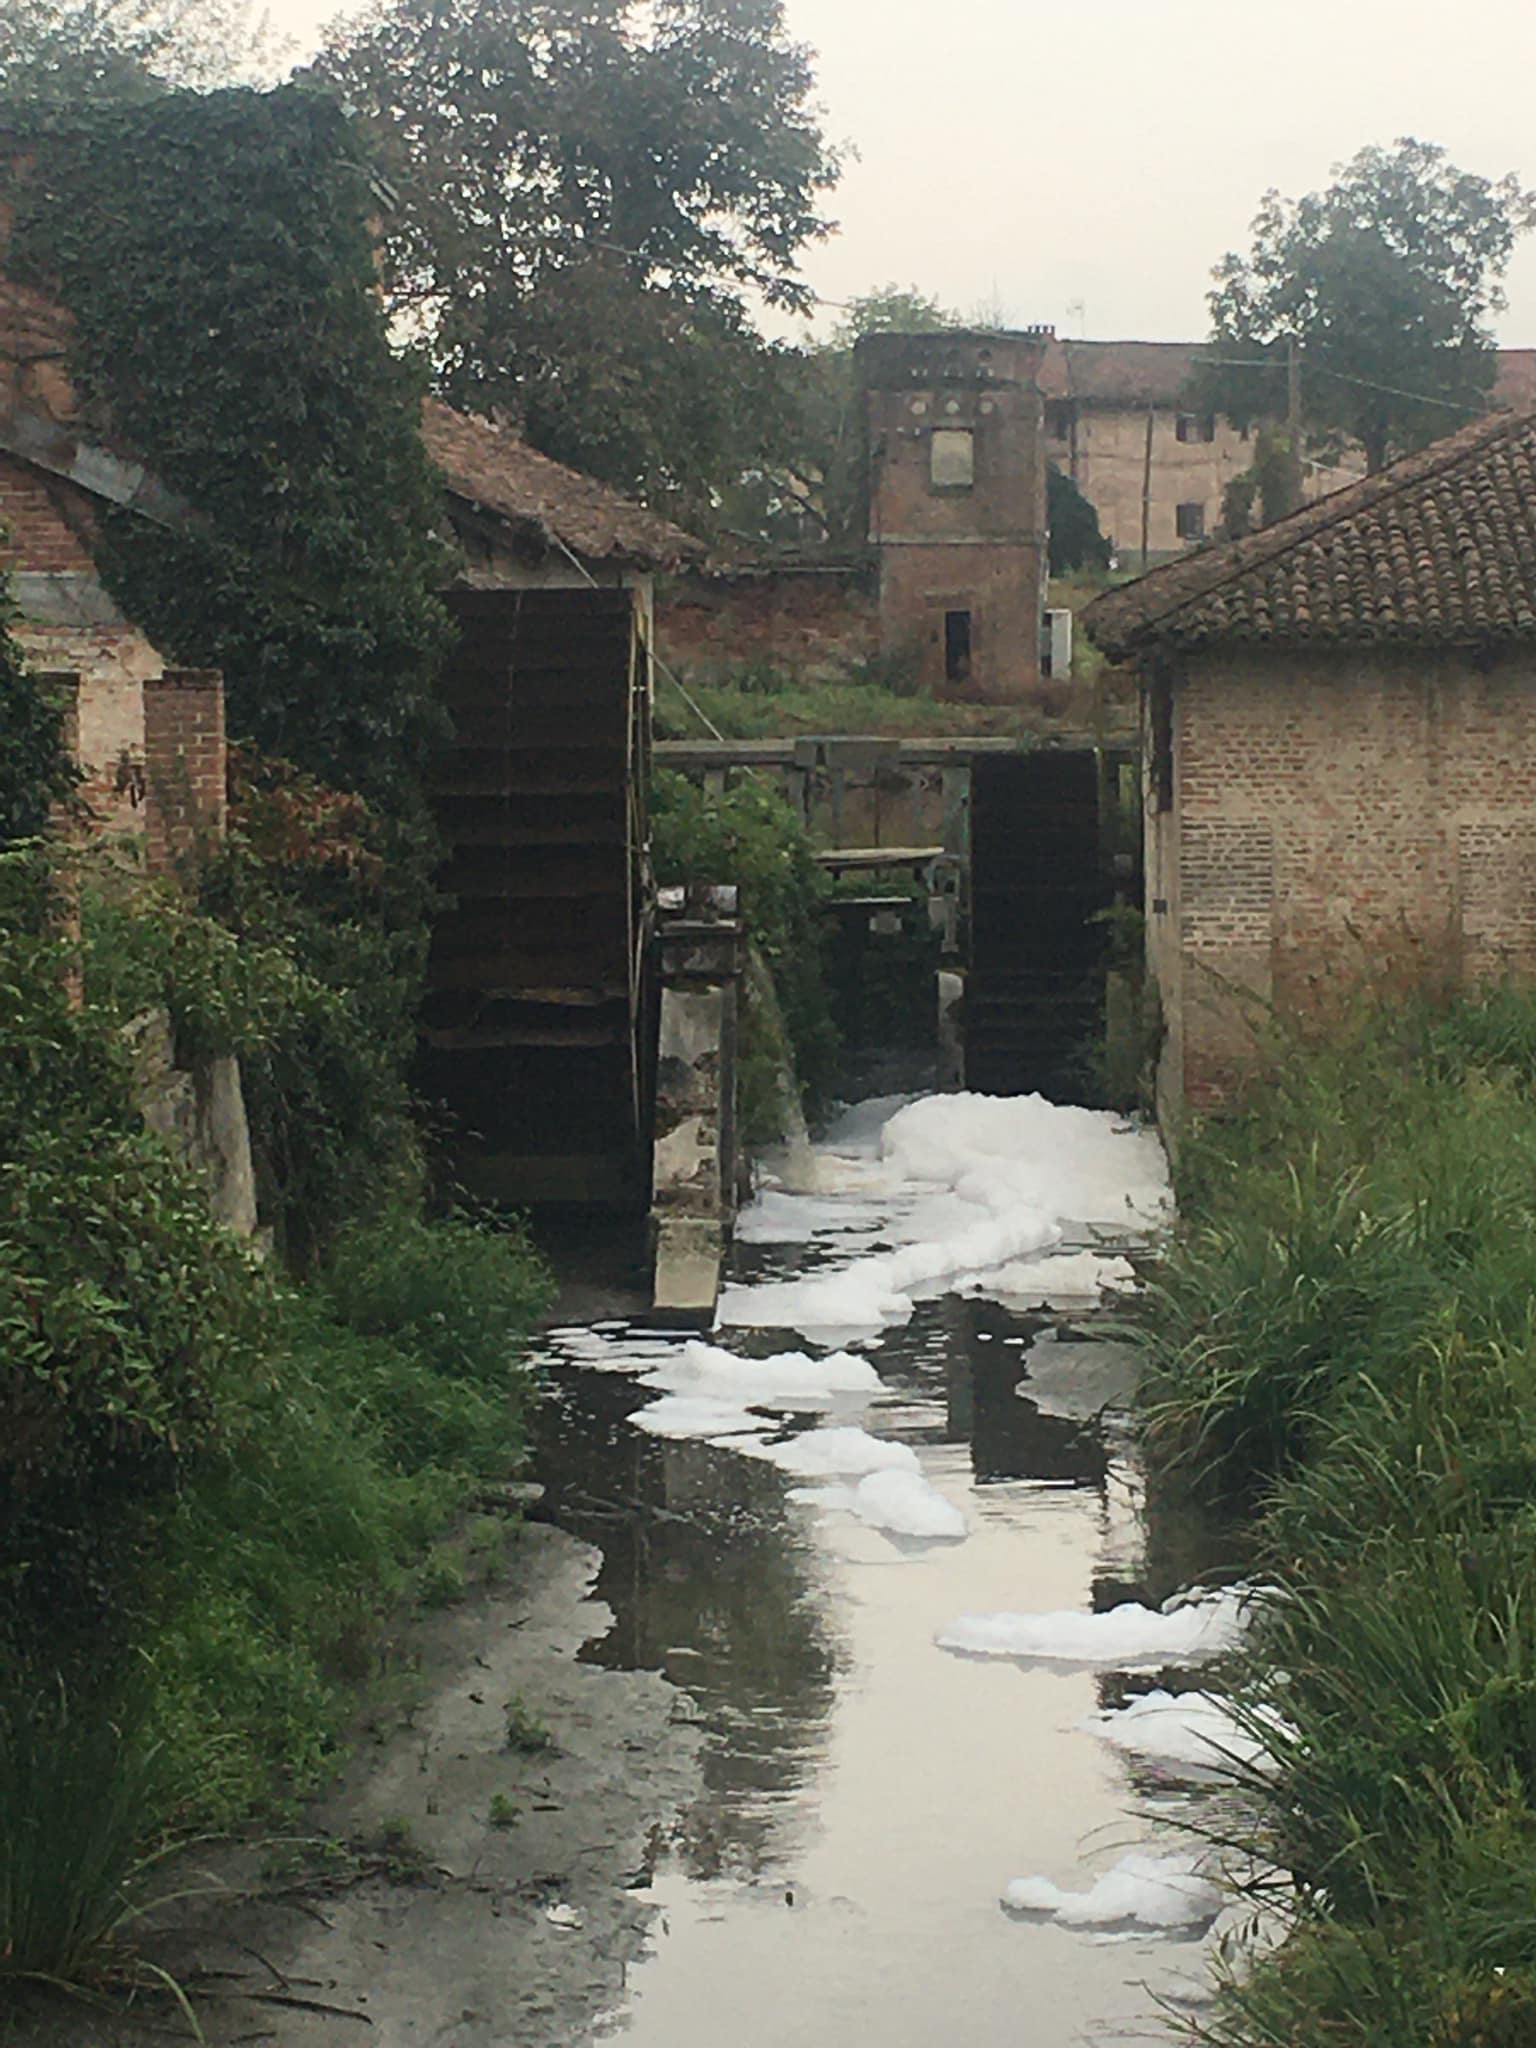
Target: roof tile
1441 547
488 466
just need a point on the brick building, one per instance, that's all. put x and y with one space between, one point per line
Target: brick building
1340 738
957 506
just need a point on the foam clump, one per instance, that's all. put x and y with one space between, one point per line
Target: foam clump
709 1392
1158 1892
1125 1638
835 1453
970 1190
898 1501
1181 1731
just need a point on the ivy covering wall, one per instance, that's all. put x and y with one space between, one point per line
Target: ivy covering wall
216 254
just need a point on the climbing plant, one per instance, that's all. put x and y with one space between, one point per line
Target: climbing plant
35 771
215 253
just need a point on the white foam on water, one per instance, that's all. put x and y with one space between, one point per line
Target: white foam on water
1157 1892
835 1453
1125 1638
970 1188
898 1501
1180 1731
790 1380
692 1415
1061 1280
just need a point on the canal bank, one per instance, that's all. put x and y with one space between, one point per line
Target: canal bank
826 1698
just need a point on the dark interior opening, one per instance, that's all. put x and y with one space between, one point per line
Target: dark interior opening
1041 870
957 647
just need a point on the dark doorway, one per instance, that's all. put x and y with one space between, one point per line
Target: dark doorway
1035 996
957 647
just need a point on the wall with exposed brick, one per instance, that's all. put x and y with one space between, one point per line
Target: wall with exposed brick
67 622
1334 815
185 764
811 623
976 546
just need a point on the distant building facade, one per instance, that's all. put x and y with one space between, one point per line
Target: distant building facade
1118 421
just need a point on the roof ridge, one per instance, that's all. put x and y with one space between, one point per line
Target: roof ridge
1199 577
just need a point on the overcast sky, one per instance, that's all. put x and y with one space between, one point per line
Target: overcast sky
1086 164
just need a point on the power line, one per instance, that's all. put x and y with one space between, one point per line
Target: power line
1343 376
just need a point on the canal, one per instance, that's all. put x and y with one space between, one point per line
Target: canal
887 1532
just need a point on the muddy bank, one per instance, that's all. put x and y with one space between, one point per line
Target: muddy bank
457 1886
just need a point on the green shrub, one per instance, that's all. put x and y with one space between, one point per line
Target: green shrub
750 836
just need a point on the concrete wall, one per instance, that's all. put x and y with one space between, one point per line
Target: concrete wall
975 548
1333 816
814 623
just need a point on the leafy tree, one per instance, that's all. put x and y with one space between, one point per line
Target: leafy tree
1386 282
590 193
1076 541
65 50
890 309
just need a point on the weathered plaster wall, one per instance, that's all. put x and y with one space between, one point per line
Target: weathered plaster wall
1335 815
68 623
1103 448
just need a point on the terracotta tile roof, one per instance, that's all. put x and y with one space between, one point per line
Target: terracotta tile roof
1439 549
490 467
1139 373
1120 372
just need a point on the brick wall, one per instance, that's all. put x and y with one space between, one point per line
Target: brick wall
70 625
974 549
47 523
185 764
812 623
1335 816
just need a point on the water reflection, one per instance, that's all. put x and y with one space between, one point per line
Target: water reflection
714 1579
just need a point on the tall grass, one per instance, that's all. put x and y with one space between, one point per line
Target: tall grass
1342 1337
85 1789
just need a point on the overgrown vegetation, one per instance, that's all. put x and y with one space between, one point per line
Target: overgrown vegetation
751 837
228 331
1343 1336
216 1471
212 1481
763 700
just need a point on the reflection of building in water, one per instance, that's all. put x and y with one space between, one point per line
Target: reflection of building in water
1009 1436
710 1577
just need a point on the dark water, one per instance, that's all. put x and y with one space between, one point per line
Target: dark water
866 1795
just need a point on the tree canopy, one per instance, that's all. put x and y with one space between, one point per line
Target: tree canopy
593 195
66 50
1386 283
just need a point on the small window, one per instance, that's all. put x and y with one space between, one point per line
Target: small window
957 647
952 459
1192 426
1058 420
1189 521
